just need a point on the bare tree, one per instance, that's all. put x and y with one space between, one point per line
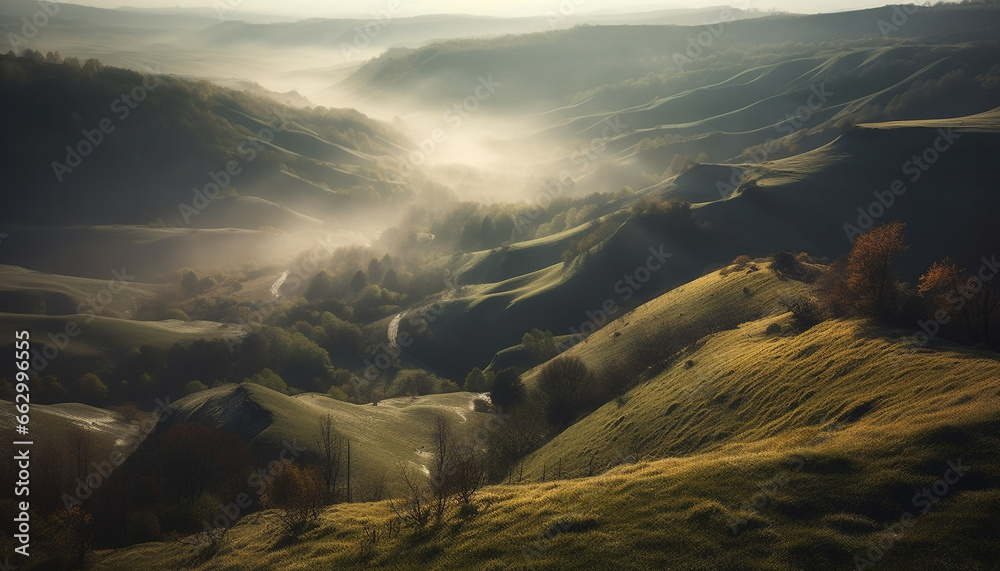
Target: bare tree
443 469
469 472
374 488
415 509
329 444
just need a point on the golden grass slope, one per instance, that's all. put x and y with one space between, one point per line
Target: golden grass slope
744 386
804 483
796 450
708 301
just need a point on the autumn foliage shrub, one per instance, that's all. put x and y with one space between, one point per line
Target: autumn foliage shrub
298 494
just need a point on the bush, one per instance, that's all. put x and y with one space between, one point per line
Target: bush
270 379
414 510
540 344
741 262
523 432
674 218
602 231
560 381
785 263
508 390
805 312
478 381
337 393
73 531
297 493
91 389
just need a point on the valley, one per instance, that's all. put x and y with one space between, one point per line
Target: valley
642 287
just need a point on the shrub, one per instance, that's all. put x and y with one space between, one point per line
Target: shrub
836 298
522 432
805 312
672 217
540 344
415 509
297 494
508 390
91 389
270 379
477 381
785 263
73 531
560 381
337 393
741 262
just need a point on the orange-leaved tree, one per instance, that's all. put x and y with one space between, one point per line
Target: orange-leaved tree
869 269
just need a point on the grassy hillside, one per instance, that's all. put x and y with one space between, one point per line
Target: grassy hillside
745 386
808 198
28 291
148 252
700 307
105 429
804 200
758 480
172 136
395 431
69 344
67 437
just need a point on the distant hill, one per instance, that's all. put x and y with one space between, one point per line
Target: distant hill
621 58
755 90
801 203
177 139
28 291
159 182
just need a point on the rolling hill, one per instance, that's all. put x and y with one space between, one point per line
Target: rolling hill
669 92
28 291
805 200
382 437
672 211
771 451
207 138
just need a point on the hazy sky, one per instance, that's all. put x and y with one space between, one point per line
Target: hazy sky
328 8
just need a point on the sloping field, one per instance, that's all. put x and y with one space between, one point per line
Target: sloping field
27 291
108 335
824 468
396 431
